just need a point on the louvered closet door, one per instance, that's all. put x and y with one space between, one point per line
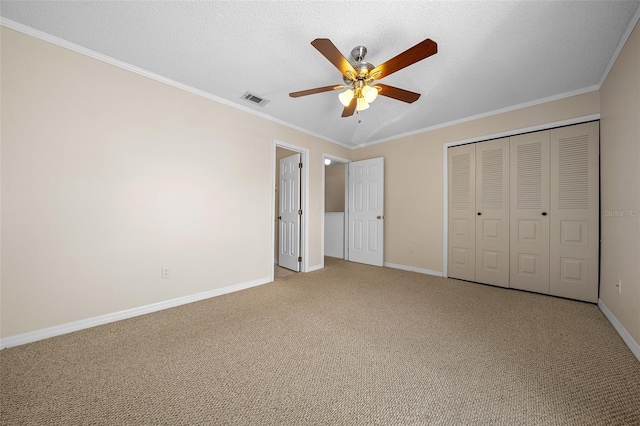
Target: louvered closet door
461 177
529 218
492 212
574 212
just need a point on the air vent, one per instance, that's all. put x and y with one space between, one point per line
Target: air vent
255 99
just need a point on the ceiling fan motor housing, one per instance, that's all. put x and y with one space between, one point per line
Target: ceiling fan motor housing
362 68
358 53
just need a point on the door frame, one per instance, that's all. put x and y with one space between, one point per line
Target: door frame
346 204
304 203
445 171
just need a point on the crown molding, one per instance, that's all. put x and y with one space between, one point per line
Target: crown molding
8 23
630 27
632 24
486 114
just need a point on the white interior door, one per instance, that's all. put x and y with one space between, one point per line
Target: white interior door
289 213
366 211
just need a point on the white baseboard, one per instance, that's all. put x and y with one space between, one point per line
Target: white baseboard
69 327
413 269
315 267
631 343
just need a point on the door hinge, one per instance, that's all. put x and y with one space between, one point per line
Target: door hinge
299 165
300 212
299 258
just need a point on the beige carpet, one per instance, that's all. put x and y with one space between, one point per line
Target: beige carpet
347 345
280 272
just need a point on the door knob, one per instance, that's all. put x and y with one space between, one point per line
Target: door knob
380 217
279 217
544 213
479 214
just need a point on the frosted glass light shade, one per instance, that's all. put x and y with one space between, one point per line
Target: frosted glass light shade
370 93
345 97
362 104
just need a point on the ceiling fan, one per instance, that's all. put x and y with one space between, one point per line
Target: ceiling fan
359 76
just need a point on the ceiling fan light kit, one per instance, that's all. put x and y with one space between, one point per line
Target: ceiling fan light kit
359 76
364 96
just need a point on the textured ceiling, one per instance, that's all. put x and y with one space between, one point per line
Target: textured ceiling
491 54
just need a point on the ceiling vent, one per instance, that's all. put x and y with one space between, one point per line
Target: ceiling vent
255 99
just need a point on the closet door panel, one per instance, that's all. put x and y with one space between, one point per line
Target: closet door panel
492 212
574 212
529 212
461 228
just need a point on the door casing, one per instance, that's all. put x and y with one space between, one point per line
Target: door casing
304 203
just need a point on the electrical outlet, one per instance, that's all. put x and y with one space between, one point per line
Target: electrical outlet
166 273
619 286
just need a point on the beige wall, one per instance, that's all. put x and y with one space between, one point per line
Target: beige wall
620 187
107 176
414 176
334 187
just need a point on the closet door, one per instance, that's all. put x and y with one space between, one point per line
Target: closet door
492 212
574 212
529 218
461 229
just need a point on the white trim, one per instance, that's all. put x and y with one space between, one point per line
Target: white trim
274 194
304 152
334 158
324 209
120 64
412 269
8 23
316 267
346 212
623 41
445 166
545 126
485 114
70 327
140 71
631 343
445 209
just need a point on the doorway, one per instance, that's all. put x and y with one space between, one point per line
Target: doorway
335 195
363 211
299 244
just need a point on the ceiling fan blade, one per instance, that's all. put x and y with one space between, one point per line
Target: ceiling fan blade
316 90
331 52
348 110
420 51
396 93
